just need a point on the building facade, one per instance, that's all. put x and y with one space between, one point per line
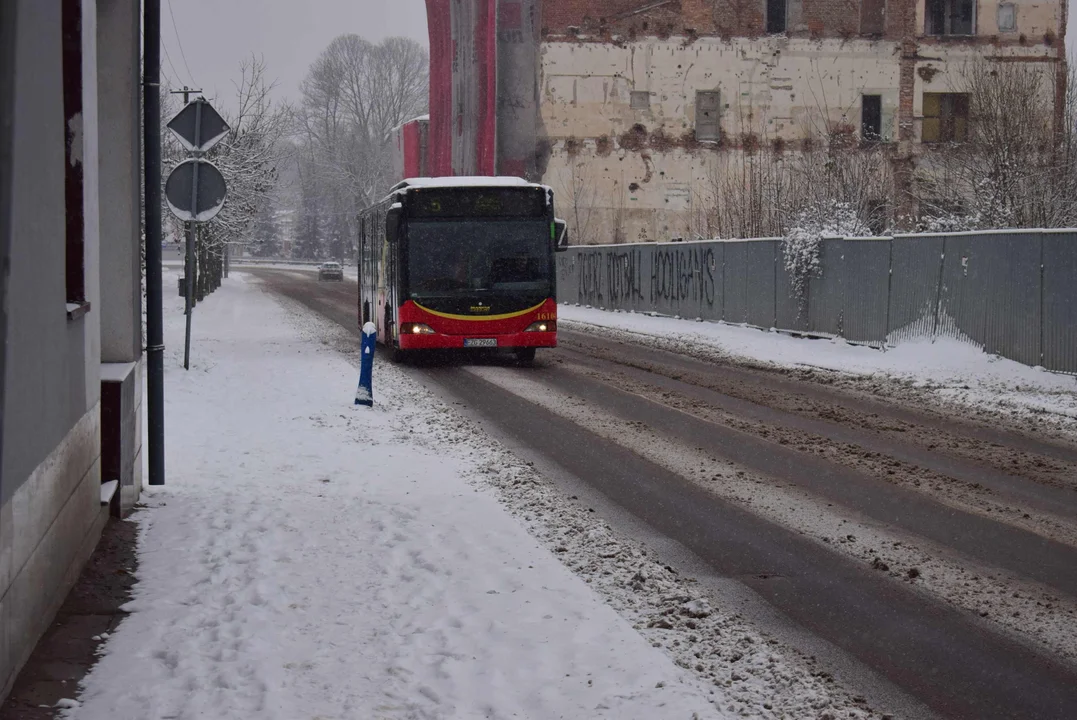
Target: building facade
649 108
71 291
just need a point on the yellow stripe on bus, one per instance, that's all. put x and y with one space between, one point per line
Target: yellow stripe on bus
505 316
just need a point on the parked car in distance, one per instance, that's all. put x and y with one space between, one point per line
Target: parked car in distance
330 271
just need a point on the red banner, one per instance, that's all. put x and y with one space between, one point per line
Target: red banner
439 151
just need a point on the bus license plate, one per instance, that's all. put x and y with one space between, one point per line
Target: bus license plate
480 342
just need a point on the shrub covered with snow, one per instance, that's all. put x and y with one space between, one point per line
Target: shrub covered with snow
800 247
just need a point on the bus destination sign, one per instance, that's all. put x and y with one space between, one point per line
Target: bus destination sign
475 202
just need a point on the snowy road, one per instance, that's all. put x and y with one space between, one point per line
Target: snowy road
939 553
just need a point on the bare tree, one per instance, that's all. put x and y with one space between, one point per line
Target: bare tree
250 155
1013 167
577 185
354 95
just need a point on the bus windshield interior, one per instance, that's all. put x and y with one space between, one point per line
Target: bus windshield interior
459 257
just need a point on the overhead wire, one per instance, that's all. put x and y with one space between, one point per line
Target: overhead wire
183 55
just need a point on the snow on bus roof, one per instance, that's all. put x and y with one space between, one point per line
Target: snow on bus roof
462 181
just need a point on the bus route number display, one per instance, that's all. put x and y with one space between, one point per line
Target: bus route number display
477 202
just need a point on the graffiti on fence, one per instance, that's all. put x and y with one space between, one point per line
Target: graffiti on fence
609 277
624 273
589 273
682 274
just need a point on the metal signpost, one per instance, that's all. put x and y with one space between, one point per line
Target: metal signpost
195 189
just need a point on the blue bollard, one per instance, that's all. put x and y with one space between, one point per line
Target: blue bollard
365 394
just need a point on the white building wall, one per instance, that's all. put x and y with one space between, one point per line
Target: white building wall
771 89
50 510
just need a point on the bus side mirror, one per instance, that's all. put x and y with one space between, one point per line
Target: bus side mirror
392 225
561 232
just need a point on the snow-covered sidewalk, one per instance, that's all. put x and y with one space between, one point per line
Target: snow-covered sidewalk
947 370
311 559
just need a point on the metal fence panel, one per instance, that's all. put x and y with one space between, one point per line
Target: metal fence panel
962 305
682 279
1012 293
990 292
915 272
1060 301
736 282
1011 289
589 278
866 286
825 289
625 275
567 276
760 281
716 311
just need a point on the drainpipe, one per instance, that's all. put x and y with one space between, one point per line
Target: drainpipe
151 109
7 118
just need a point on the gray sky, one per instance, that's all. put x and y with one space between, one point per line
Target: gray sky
215 35
1071 31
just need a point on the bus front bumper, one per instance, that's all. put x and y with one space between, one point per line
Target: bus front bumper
509 341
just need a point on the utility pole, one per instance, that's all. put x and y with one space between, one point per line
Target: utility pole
186 92
155 344
8 12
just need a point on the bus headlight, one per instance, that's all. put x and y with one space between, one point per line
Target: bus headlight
542 326
415 329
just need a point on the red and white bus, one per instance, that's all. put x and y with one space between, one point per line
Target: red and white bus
457 262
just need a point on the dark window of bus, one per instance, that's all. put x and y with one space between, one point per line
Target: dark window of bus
478 256
488 202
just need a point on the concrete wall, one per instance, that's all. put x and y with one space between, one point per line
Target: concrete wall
50 512
119 107
773 87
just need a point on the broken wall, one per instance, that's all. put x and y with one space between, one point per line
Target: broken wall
644 104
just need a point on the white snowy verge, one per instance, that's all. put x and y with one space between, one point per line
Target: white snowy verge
947 370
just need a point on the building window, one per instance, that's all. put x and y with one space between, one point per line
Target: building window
640 100
1007 17
950 17
776 12
71 26
707 112
873 17
946 117
871 117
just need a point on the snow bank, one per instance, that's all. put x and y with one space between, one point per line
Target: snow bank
948 369
308 558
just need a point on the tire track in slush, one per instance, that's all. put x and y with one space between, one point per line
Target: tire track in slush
952 662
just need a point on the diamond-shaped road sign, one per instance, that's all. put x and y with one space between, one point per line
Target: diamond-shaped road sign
198 126
195 190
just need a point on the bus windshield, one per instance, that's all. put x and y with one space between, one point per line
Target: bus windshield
460 257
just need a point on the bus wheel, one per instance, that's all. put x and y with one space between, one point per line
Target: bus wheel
397 355
525 356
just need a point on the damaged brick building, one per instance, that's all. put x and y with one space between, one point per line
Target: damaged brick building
643 103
